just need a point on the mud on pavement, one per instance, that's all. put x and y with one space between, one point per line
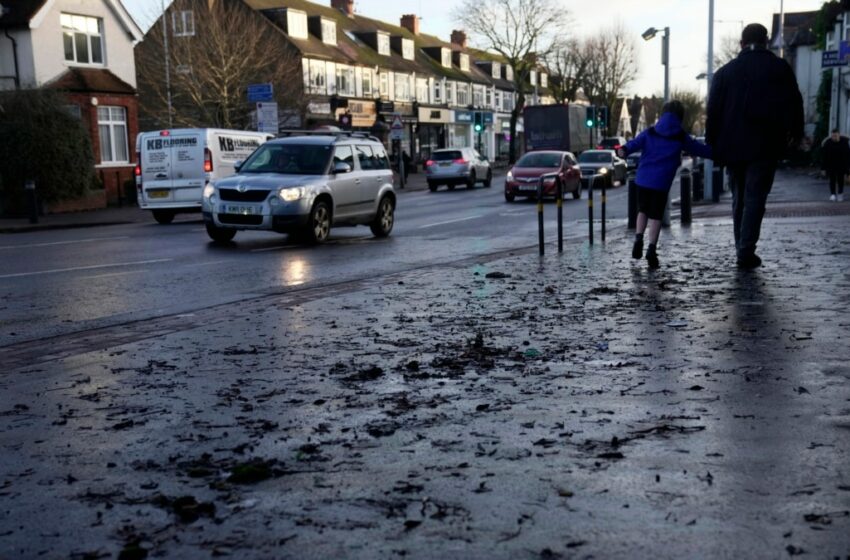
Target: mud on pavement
571 407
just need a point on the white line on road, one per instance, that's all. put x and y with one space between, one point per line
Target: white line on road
92 240
275 248
451 221
77 268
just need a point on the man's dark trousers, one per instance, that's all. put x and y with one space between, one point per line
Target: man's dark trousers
836 182
751 183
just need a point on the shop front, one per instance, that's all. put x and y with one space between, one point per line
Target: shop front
431 131
460 130
387 110
362 114
319 113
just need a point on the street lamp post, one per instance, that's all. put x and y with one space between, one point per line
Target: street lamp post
665 55
708 171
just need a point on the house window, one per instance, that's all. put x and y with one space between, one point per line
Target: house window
367 82
421 90
402 87
477 96
112 129
464 62
328 32
83 39
497 70
509 73
544 80
183 23
438 91
407 49
446 58
317 76
296 24
532 77
450 93
463 94
385 85
383 44
488 97
498 100
345 80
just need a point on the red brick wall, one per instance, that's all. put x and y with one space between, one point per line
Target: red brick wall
112 177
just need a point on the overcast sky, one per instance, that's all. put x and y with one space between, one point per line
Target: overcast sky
687 19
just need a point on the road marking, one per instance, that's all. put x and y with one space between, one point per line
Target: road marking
77 268
275 248
450 221
33 245
111 274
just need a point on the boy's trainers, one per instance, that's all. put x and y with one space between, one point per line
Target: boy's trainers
840 198
637 249
832 198
652 257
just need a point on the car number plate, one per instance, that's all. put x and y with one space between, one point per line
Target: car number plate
241 209
158 193
445 163
528 187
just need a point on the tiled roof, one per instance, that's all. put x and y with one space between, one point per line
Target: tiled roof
91 80
18 13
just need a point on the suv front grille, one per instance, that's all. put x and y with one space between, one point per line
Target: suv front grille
240 219
232 195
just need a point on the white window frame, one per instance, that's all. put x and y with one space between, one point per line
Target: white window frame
317 76
407 49
113 124
544 79
384 82
73 25
422 90
509 73
488 97
438 90
446 58
402 87
383 44
497 100
478 96
464 62
183 23
532 77
368 81
328 31
496 71
345 84
462 94
296 24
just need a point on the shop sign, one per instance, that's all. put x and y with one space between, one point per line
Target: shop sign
463 117
319 108
362 113
429 115
386 107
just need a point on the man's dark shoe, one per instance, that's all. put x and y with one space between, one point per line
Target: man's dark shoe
652 257
749 262
637 249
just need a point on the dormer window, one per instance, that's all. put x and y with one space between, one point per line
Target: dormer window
407 49
544 80
384 44
446 58
509 73
496 70
296 24
83 39
532 77
464 62
328 32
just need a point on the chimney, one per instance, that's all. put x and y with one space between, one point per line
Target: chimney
344 6
411 23
459 38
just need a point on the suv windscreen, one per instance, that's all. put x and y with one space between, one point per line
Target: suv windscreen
539 160
450 155
289 159
595 157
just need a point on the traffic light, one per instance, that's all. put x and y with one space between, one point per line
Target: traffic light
590 118
478 121
602 117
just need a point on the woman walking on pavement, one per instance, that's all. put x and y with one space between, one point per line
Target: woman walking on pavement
836 163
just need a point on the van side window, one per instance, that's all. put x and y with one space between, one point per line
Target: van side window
364 154
381 161
343 154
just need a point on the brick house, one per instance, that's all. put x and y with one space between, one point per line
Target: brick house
85 50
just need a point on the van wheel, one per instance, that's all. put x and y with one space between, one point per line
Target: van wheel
163 216
319 225
489 180
220 235
382 225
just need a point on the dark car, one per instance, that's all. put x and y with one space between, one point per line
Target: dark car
611 143
524 176
603 162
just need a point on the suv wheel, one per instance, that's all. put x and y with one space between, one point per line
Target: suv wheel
319 224
489 180
163 216
220 235
382 225
432 186
472 180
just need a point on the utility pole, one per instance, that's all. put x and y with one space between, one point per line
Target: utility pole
708 175
781 28
665 60
167 62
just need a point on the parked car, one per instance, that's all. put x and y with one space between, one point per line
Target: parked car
611 143
523 177
305 185
457 166
603 162
175 165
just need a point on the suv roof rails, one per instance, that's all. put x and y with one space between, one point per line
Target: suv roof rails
347 133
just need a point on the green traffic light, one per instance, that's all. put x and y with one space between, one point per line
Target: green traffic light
589 123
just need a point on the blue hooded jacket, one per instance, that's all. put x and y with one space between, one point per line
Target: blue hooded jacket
661 152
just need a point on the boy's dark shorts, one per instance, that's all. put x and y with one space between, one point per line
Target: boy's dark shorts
652 202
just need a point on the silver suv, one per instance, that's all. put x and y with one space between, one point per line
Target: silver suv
457 166
305 185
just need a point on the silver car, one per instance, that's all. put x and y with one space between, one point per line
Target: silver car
305 185
457 166
603 162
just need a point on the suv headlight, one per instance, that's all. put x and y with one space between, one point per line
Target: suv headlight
291 194
603 171
209 192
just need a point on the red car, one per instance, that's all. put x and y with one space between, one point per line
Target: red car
523 177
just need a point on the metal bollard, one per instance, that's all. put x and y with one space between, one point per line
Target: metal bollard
632 203
696 185
559 201
716 184
602 210
591 181
685 198
540 214
32 200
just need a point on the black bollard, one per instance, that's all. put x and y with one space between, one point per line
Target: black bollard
632 203
602 210
685 198
717 184
591 181
559 186
696 185
540 214
32 201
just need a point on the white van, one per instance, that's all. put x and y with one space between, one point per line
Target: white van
175 165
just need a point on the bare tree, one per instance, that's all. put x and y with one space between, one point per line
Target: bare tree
694 108
522 32
727 49
229 47
612 65
568 62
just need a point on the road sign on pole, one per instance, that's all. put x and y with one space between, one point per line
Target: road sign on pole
267 117
833 59
396 127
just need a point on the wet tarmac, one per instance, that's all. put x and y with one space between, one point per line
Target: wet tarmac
573 406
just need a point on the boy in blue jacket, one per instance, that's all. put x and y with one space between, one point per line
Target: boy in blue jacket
661 155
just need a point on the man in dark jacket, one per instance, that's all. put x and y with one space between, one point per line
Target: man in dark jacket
836 162
755 113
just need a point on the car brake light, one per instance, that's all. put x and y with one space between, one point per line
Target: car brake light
208 166
429 163
617 147
164 133
460 160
